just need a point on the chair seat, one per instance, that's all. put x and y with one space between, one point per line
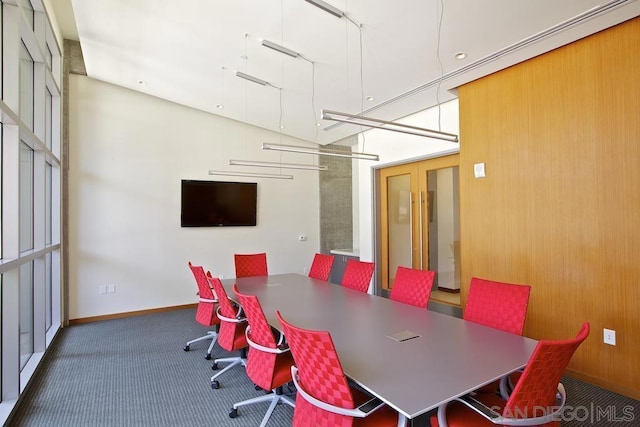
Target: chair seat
384 416
460 415
312 416
281 372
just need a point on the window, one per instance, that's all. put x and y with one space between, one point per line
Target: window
25 187
48 112
30 194
48 57
48 237
26 87
26 313
25 215
28 10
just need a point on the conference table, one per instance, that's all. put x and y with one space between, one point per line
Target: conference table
412 359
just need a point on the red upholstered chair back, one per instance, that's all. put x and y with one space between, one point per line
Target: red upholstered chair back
261 365
250 265
498 305
320 373
357 275
321 267
412 286
206 311
231 335
537 386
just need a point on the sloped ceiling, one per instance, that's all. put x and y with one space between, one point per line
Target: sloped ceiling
386 59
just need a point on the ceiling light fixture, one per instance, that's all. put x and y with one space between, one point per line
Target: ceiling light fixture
318 152
278 165
460 55
356 119
250 175
327 8
281 49
252 79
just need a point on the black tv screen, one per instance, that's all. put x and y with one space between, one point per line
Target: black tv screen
218 204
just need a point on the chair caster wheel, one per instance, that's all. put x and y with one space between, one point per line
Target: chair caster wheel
208 356
215 384
233 413
257 387
214 366
186 348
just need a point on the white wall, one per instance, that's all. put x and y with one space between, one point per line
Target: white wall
395 148
128 153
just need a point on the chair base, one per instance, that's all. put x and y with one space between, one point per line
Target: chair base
234 362
211 335
275 398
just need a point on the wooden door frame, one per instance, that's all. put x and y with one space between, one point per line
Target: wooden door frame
384 174
418 171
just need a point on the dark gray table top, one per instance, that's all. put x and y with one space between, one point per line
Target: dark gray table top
449 358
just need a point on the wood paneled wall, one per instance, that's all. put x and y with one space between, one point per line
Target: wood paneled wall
559 208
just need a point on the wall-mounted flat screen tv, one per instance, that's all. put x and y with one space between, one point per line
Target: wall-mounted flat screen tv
218 204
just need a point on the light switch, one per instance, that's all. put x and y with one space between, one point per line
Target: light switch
478 170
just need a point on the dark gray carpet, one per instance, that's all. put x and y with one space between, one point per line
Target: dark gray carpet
133 372
588 405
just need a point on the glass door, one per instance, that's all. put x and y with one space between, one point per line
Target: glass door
400 244
419 223
443 233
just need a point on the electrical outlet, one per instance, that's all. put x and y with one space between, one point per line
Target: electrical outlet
102 289
609 336
305 270
111 289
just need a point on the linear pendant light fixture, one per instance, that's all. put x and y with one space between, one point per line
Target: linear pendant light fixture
250 175
356 119
327 8
281 49
252 79
316 151
277 165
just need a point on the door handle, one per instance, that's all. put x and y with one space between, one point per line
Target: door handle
411 225
421 219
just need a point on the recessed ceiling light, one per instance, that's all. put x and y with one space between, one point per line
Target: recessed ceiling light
219 106
142 83
245 57
370 98
460 55
281 126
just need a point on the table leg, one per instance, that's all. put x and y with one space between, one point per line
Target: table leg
402 420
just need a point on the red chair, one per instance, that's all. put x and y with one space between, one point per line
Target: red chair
498 305
534 398
269 362
250 265
357 275
321 267
206 311
412 286
501 306
324 396
231 336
